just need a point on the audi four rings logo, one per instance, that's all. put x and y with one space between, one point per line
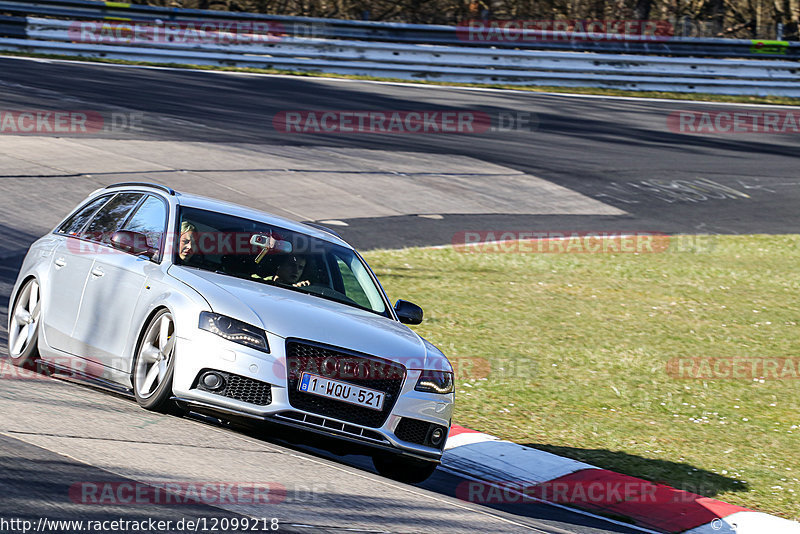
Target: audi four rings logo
344 368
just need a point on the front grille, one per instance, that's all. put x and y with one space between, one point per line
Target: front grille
240 388
351 367
416 431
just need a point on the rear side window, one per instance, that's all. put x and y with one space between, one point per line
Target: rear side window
75 224
150 219
111 217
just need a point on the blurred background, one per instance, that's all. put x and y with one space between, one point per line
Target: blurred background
741 19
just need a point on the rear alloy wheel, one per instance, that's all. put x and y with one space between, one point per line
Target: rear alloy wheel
23 334
402 469
154 364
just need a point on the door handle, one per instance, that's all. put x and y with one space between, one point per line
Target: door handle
60 262
97 272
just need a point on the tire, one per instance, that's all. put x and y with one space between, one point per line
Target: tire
23 334
154 365
408 470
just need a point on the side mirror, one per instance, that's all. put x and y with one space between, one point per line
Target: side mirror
132 242
408 312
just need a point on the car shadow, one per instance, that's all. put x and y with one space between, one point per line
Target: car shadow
678 475
9 268
443 481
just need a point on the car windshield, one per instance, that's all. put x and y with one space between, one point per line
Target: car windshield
268 254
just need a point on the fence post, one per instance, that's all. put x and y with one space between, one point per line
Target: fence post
687 26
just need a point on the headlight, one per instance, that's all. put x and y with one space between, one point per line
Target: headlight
234 330
435 382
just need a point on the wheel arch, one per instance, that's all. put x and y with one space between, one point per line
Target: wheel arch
184 306
142 329
15 295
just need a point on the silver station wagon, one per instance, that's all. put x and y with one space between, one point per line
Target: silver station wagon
193 304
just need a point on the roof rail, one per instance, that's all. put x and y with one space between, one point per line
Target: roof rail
323 228
144 184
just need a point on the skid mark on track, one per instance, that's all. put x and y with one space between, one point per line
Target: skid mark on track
671 191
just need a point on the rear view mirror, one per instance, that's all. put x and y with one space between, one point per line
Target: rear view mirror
408 312
269 244
132 242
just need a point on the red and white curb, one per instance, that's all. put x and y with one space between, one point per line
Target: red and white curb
508 472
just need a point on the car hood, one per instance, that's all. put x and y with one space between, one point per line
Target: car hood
291 314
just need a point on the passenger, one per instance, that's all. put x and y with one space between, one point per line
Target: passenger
290 270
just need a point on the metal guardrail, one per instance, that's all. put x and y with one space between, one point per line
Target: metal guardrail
13 27
428 62
404 33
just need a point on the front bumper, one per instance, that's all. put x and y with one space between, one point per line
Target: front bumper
206 351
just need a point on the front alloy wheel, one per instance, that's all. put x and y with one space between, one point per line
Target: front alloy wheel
23 334
154 364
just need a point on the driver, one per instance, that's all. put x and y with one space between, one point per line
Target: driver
187 243
188 251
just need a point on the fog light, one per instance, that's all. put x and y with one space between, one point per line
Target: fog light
213 381
437 436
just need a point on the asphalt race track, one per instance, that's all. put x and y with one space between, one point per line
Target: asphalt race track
583 164
618 152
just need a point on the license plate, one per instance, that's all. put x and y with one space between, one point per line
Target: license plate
333 389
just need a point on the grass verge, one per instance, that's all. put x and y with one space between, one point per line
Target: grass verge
570 353
739 99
